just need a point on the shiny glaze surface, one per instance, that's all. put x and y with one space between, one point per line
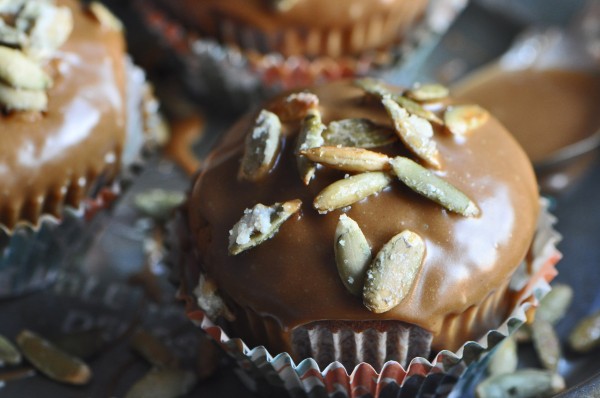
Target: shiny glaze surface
52 158
293 277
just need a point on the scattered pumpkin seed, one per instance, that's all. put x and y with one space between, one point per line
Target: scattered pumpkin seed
9 354
163 383
259 224
50 29
424 182
262 146
555 304
352 254
153 350
348 159
505 358
428 92
415 109
359 133
350 190
586 334
462 119
311 136
22 100
393 272
20 72
295 106
51 361
373 87
546 343
415 132
106 18
523 383
82 344
157 203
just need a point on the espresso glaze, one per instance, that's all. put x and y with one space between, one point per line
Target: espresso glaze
545 110
292 277
373 23
50 159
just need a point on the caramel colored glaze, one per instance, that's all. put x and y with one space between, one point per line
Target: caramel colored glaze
309 27
292 277
546 110
51 159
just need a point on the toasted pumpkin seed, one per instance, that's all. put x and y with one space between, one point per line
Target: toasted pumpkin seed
10 36
523 383
352 254
462 119
311 136
11 6
424 182
262 146
14 99
586 334
209 300
504 359
428 92
359 133
283 5
163 383
546 343
51 361
158 203
393 272
259 224
106 18
350 190
51 28
153 350
20 72
348 159
373 87
9 354
415 132
555 304
415 109
295 106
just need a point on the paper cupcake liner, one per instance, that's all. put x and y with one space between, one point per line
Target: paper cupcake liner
447 371
237 78
31 255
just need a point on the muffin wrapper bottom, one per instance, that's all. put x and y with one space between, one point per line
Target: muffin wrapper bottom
265 373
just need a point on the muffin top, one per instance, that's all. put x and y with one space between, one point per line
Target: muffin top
68 132
469 250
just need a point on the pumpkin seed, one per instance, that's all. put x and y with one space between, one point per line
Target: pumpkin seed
51 361
22 100
348 159
295 106
10 36
393 272
9 354
283 5
555 304
51 28
424 182
360 133
310 137
350 190
373 87
153 350
586 334
415 132
16 374
462 119
428 92
20 72
157 203
106 18
163 383
505 358
523 383
259 224
262 146
11 6
209 301
546 344
415 109
352 254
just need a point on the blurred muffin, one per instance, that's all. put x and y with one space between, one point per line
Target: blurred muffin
354 224
76 115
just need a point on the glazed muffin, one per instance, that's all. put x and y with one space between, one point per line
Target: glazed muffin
75 116
358 222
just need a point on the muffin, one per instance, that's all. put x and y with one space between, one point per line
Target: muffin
76 115
362 223
238 50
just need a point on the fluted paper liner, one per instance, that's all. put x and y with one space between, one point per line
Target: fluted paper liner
263 371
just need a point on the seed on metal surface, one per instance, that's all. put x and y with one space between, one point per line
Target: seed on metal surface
525 383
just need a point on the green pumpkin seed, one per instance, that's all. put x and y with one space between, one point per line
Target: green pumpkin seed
428 92
153 350
106 18
263 143
555 304
359 133
350 190
10 36
311 136
424 182
9 354
586 334
157 203
20 72
523 383
22 100
51 27
259 224
415 109
505 358
51 361
462 119
164 383
348 159
393 272
352 254
373 87
546 343
415 132
295 106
